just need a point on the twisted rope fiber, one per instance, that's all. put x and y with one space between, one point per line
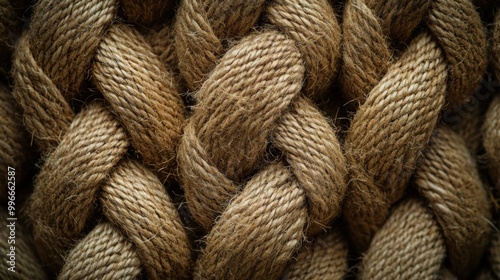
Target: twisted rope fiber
253 91
325 259
85 163
14 152
401 95
410 245
262 168
258 225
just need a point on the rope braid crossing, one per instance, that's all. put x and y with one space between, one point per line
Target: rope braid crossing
262 169
414 238
408 246
401 96
325 259
254 90
85 151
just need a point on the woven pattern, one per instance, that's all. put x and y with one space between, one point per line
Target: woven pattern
229 139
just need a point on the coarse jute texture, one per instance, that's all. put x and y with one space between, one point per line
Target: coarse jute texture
85 150
14 153
447 178
230 139
401 100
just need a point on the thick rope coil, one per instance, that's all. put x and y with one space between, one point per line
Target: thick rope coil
253 91
263 208
226 110
410 245
103 254
314 28
401 96
83 151
64 36
214 131
261 167
449 181
202 30
63 201
366 25
135 203
388 133
456 27
143 93
258 232
56 52
325 259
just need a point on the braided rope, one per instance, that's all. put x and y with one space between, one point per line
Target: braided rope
14 153
325 259
262 170
383 153
254 90
412 240
302 135
84 150
402 97
151 110
408 246
448 179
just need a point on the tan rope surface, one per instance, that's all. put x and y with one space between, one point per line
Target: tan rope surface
14 153
279 139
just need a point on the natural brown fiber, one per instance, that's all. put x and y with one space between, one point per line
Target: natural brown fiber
408 246
325 259
14 155
153 117
103 254
401 98
201 28
83 151
448 180
317 36
280 139
382 154
447 177
222 101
